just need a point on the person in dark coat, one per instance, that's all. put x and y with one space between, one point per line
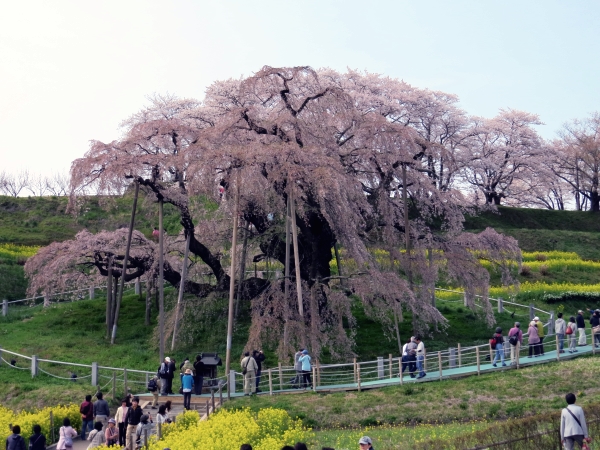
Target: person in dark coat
594 322
15 441
171 375
37 441
259 357
199 375
581 328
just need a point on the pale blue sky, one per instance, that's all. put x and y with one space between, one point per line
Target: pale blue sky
70 71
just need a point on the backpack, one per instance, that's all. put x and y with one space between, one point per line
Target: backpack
163 369
513 340
493 343
569 330
152 386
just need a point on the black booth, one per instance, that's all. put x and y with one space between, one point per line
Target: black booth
211 362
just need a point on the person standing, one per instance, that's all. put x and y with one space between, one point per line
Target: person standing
15 441
187 384
499 347
541 334
515 331
259 357
572 424
37 441
298 368
560 328
66 434
171 374
133 418
595 322
101 409
111 434
249 367
163 373
143 430
573 327
533 340
185 365
120 417
87 415
198 375
306 368
96 436
420 357
409 357
153 388
581 328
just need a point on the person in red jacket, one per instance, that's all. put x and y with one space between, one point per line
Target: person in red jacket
87 415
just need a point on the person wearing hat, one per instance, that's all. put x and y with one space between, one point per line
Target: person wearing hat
581 328
541 334
306 368
111 434
163 373
143 430
187 384
533 340
365 443
249 367
499 347
515 331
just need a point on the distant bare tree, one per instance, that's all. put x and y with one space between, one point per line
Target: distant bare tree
37 185
13 184
58 184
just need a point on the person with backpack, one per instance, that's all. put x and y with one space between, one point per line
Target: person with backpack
153 389
570 332
515 339
15 441
560 328
66 434
163 373
499 347
533 340
37 441
249 367
572 425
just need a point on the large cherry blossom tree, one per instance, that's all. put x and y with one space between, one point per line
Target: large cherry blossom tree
349 148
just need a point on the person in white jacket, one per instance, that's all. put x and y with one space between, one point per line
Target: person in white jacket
560 328
572 424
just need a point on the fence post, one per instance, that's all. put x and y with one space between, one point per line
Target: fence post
478 361
391 368
146 438
400 375
92 293
551 324
207 409
440 363
231 387
380 367
593 336
314 380
94 374
459 356
318 373
500 305
114 385
34 366
159 430
451 358
220 394
5 307
270 383
149 380
531 312
212 398
355 376
557 349
281 378
358 375
125 381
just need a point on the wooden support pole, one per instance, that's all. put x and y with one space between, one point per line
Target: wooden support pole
232 274
296 252
459 355
125 260
212 399
391 368
270 382
314 380
478 361
440 363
